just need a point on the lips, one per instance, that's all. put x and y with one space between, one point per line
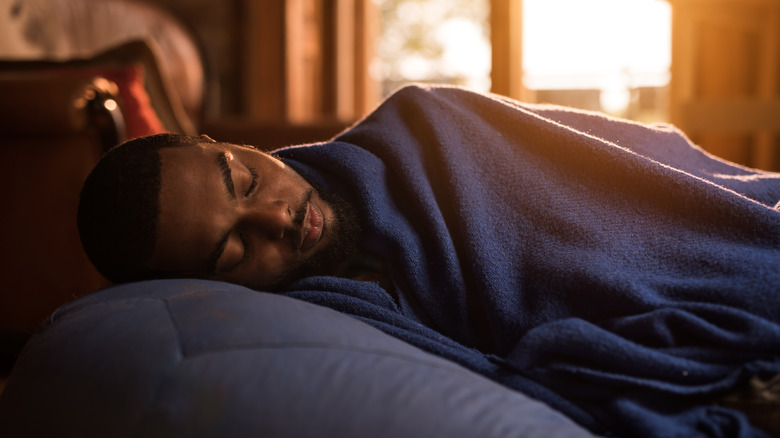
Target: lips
312 227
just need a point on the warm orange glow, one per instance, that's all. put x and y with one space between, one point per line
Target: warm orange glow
608 47
575 44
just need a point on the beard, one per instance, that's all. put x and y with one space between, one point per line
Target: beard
345 233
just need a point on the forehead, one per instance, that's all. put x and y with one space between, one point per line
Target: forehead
171 157
190 201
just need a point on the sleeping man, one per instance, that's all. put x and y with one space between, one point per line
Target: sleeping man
610 269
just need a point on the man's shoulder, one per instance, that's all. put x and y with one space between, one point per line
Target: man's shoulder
415 89
437 97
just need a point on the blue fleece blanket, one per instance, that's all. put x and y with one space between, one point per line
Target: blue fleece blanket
613 270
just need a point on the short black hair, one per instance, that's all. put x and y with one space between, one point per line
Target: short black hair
119 207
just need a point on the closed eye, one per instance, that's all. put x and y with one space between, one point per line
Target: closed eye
253 183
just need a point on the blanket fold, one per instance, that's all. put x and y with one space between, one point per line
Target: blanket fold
614 270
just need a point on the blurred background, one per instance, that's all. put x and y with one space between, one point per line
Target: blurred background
77 76
319 63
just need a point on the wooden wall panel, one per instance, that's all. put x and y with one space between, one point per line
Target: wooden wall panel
725 77
506 35
265 75
308 60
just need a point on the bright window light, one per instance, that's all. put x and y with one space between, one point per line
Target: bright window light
586 44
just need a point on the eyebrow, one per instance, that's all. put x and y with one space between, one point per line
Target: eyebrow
227 177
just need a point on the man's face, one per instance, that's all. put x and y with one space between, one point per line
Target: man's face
236 214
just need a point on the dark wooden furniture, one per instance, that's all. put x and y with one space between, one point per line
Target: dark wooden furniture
56 121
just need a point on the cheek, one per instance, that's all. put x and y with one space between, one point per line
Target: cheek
290 179
231 255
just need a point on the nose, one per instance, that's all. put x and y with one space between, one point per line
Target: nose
271 219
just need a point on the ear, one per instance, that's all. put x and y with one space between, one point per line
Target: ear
207 138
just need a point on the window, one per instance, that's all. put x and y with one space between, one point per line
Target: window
606 55
440 41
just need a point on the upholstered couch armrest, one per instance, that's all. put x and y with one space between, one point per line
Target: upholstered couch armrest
145 94
207 359
44 104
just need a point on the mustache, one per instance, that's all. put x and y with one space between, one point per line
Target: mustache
298 217
300 213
